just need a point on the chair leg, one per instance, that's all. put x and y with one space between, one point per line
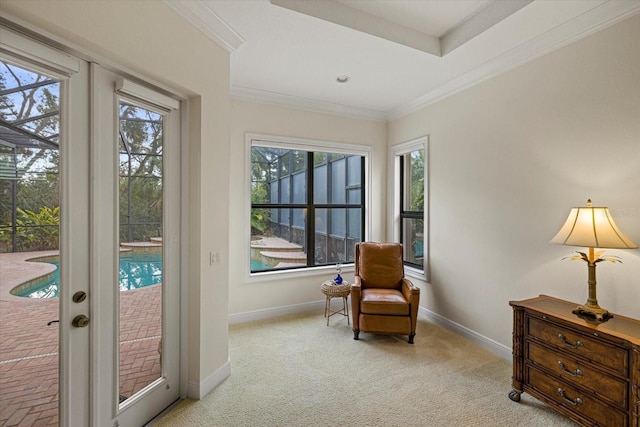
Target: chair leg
411 337
356 334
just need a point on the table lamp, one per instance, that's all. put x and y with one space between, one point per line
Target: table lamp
592 227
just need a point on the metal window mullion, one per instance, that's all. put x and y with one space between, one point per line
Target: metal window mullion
279 187
362 198
329 196
45 141
26 87
129 231
14 204
34 118
310 228
290 197
346 198
278 206
402 184
412 214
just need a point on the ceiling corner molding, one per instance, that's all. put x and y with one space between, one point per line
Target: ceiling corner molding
596 19
312 105
208 22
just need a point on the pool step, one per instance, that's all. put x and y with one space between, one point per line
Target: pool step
151 247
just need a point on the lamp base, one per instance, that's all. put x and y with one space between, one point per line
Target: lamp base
592 314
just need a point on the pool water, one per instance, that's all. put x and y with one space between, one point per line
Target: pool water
259 265
136 271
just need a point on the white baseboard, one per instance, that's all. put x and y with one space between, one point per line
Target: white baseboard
494 347
269 313
198 390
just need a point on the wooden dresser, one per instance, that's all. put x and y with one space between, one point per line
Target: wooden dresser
587 372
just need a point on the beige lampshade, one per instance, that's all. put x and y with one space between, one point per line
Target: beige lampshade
592 227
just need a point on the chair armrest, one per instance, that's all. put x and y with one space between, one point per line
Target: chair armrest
356 292
410 291
356 288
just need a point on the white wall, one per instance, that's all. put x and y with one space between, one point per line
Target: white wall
509 158
148 39
246 295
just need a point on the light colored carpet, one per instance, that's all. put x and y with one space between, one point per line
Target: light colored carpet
296 371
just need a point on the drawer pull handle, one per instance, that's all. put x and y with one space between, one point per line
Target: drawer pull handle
568 344
574 402
575 373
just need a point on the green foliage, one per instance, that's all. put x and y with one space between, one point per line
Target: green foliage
417 180
260 218
35 231
258 221
262 170
140 173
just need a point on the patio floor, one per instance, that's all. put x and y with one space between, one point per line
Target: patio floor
29 348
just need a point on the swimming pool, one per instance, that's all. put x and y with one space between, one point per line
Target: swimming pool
259 265
136 271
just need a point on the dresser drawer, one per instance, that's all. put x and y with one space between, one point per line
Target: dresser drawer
579 375
574 399
608 355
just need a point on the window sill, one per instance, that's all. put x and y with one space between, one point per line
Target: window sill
415 273
327 271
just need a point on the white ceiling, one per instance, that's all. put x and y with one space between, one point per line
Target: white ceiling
399 54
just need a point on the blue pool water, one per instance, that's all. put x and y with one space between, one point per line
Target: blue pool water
259 265
136 271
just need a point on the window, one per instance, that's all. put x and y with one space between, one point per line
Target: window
307 204
410 201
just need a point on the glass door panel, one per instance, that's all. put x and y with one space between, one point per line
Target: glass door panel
141 248
29 246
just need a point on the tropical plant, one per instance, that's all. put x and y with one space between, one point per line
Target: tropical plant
34 230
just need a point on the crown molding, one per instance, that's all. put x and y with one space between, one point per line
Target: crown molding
306 104
208 22
594 20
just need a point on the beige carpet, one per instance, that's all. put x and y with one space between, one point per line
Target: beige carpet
296 371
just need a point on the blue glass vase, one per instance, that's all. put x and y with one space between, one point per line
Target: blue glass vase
338 279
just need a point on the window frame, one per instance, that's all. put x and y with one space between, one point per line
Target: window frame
399 214
307 145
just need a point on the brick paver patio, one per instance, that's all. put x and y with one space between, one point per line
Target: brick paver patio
29 348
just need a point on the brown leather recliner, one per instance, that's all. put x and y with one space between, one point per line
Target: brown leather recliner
383 301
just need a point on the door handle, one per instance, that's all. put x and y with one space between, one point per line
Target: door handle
80 321
79 296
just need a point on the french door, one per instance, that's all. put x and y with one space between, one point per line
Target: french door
119 245
135 247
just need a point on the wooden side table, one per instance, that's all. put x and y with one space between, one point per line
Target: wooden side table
334 290
587 371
